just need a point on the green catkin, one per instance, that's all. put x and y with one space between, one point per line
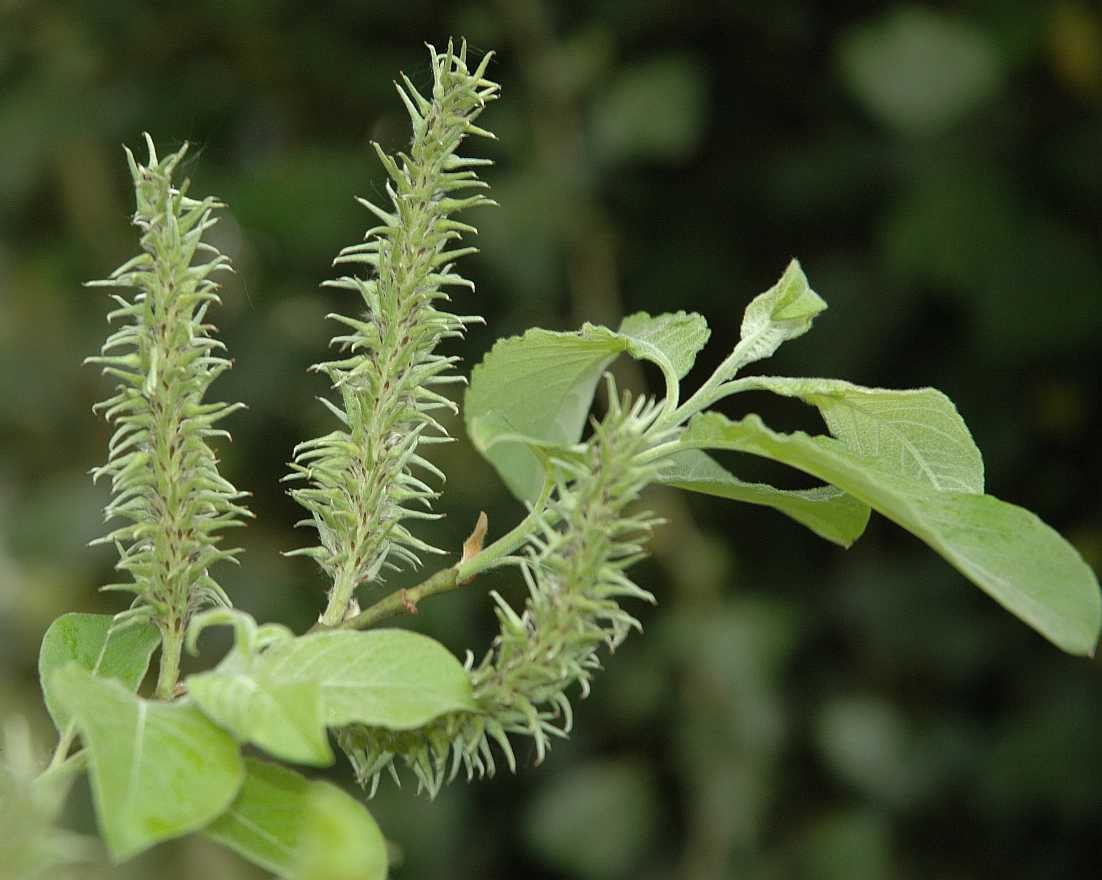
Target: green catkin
164 474
576 573
361 480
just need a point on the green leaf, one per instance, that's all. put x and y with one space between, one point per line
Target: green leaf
539 385
300 829
87 639
785 311
283 718
388 678
917 433
676 338
654 110
596 821
158 770
1007 551
32 842
537 389
339 839
829 512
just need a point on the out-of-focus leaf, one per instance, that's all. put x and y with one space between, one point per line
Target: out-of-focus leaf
31 843
865 743
87 639
595 821
158 770
338 839
654 111
300 829
919 70
847 845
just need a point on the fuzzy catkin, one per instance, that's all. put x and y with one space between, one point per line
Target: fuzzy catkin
576 573
164 474
361 484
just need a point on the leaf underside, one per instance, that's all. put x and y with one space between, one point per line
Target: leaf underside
1007 551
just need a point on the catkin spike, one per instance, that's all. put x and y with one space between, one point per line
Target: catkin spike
164 475
358 487
574 570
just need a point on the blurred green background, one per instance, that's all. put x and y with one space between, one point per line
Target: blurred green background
793 710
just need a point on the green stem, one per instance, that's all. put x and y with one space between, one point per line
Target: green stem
344 586
63 746
404 601
172 643
76 762
445 580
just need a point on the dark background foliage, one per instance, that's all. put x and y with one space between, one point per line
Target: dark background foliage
792 709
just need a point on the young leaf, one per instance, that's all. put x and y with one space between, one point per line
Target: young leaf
539 387
283 718
829 512
388 678
916 432
158 770
675 337
785 311
88 640
1007 551
300 829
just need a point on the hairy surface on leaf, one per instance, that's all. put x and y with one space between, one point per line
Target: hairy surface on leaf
536 390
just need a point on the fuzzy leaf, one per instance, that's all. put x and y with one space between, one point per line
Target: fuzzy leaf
158 770
537 389
388 678
283 718
917 432
87 640
785 311
300 829
676 338
540 386
828 511
1008 552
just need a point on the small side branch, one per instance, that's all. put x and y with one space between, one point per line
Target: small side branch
475 560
